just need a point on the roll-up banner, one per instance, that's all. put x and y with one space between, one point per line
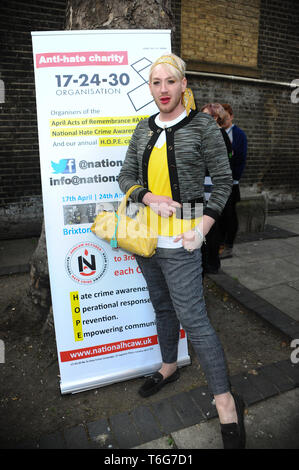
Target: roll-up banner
91 91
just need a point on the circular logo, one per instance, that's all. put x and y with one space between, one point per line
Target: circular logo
86 263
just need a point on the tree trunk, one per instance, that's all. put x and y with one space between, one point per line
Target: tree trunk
89 14
35 308
119 14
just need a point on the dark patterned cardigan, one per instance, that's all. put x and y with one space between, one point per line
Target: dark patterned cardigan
193 145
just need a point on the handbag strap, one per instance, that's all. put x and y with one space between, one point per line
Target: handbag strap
122 207
123 203
113 241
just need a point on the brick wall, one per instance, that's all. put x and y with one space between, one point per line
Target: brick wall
263 110
278 39
271 124
220 32
20 189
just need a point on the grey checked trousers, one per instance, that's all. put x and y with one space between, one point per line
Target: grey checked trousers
174 280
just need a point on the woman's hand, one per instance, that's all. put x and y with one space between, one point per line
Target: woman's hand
193 239
161 205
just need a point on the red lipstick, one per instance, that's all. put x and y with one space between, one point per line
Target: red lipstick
165 99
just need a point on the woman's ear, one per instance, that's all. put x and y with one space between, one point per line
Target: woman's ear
184 84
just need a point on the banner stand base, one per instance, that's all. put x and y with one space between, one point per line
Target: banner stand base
102 381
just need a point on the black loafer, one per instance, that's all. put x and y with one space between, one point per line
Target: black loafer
154 383
233 434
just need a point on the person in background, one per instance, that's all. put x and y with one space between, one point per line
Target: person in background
167 156
210 249
228 222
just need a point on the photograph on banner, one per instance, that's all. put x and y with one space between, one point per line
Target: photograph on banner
91 91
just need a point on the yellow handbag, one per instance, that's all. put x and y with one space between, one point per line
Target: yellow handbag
133 235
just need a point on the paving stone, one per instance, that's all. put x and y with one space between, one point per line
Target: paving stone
263 274
261 383
279 318
203 400
248 299
124 430
167 417
253 301
76 438
270 313
291 330
147 426
164 443
285 296
278 377
291 370
100 434
245 388
52 441
187 409
205 435
294 334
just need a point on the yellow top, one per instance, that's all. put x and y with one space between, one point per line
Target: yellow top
159 183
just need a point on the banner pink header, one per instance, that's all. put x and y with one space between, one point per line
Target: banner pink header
71 59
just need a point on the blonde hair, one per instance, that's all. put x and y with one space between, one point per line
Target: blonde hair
174 63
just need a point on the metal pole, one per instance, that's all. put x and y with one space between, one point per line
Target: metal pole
239 78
